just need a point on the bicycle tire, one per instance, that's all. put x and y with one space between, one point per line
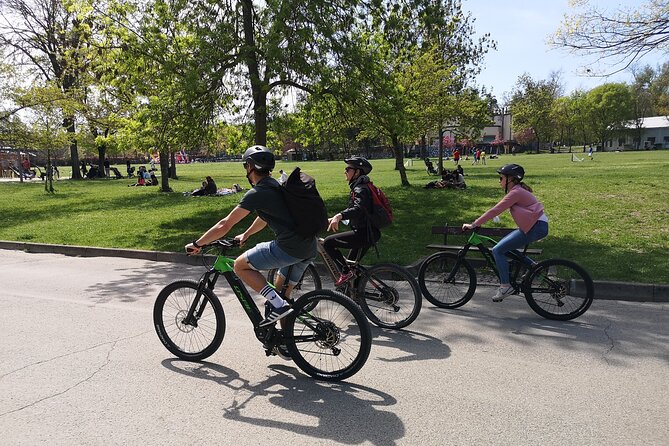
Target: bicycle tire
192 343
389 296
559 289
327 335
432 277
310 281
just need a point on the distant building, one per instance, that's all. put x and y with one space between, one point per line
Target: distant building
654 135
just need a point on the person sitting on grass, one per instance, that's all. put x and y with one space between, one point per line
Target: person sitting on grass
208 188
140 177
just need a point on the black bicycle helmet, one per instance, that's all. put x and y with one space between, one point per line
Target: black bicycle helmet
512 170
260 158
359 162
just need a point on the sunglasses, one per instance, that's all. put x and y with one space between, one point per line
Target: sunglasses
501 178
349 168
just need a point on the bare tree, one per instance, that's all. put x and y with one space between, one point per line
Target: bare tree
48 41
619 38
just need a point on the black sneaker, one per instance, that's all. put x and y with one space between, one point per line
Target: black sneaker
282 352
275 314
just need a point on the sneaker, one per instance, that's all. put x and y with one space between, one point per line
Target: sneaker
282 352
344 278
502 293
275 314
268 309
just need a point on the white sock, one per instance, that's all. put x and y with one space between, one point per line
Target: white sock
272 296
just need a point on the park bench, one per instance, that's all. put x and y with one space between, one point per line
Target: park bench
457 231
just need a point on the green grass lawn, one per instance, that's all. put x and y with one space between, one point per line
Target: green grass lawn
610 214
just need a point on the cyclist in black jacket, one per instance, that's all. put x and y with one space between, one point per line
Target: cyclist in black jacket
362 234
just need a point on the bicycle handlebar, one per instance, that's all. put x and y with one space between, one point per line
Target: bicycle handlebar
221 245
225 243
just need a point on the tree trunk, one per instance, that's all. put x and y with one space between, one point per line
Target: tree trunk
164 170
258 86
173 167
399 160
48 183
102 153
423 146
440 166
68 123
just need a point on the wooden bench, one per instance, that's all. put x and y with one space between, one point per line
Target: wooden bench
457 231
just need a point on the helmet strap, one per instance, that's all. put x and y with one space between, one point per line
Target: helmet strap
248 174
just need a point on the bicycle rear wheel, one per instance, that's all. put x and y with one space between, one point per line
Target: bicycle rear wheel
559 289
389 296
327 335
310 281
446 281
192 340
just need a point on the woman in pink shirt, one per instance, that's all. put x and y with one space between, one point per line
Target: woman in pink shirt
527 212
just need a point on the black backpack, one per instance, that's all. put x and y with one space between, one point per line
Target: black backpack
305 204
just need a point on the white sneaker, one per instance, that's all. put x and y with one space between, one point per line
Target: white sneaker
502 293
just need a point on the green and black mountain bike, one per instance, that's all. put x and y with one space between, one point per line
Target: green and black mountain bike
327 335
555 288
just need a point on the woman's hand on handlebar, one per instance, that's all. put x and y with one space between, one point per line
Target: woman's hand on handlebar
468 227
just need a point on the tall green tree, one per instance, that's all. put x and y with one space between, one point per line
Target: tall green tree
531 105
433 103
165 72
610 106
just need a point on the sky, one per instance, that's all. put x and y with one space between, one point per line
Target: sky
521 29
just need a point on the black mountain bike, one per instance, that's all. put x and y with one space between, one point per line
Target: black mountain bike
387 293
555 288
326 335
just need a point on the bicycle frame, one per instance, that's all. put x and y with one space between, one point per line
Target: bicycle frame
269 335
479 241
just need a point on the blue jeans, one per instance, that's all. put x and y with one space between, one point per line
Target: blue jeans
268 255
516 240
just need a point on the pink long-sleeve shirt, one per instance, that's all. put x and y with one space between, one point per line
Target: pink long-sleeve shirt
524 207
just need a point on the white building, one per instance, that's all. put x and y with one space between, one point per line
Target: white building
654 135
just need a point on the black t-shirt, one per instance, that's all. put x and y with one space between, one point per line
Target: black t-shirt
266 199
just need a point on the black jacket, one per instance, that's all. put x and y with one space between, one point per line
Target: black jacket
359 207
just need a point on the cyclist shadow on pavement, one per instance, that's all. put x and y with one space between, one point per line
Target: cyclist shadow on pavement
347 413
417 346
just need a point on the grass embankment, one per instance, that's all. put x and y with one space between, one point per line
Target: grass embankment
609 215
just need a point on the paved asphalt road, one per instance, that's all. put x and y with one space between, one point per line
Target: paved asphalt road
80 363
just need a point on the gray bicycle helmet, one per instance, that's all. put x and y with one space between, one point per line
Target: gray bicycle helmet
260 158
512 170
359 162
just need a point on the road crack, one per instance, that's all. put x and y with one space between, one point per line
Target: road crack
88 378
611 341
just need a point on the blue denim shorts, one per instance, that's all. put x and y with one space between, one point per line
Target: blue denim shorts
267 255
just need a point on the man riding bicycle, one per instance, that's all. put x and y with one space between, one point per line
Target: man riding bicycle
288 249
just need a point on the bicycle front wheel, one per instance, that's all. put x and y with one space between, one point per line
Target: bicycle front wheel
310 281
389 296
447 281
327 335
559 289
194 339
